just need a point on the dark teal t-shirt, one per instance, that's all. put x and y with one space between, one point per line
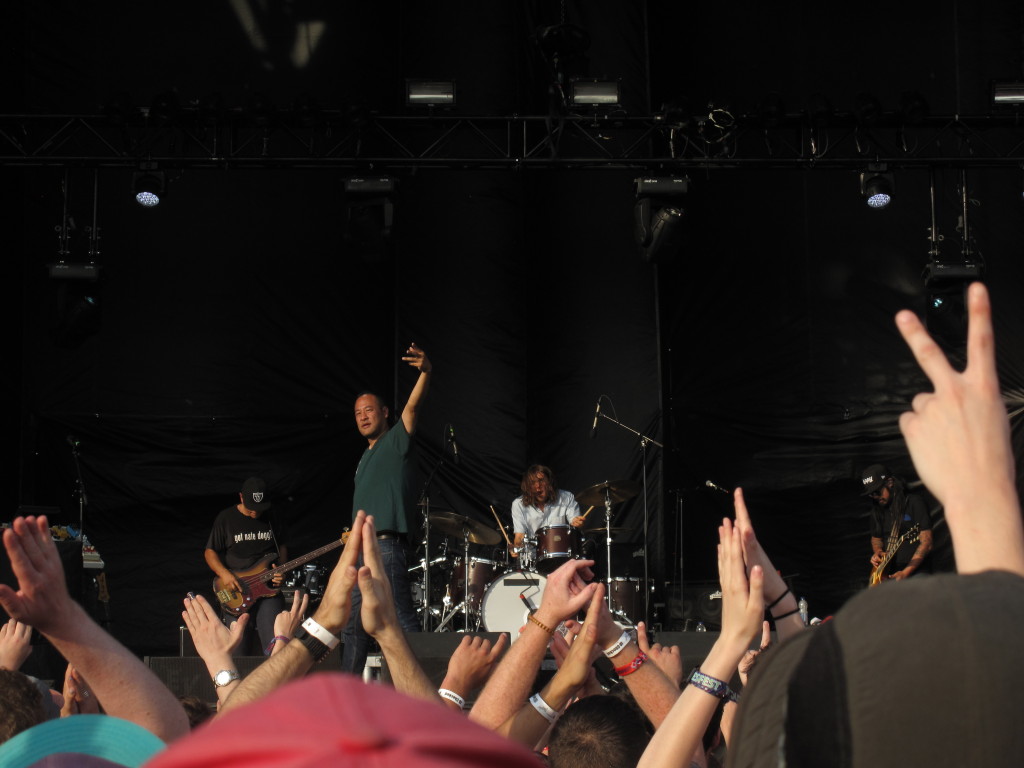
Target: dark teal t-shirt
380 483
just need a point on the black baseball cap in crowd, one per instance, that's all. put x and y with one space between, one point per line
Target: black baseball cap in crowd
873 478
919 672
254 495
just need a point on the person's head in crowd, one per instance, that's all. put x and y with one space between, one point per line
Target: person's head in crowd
948 644
538 485
331 719
198 711
21 704
598 732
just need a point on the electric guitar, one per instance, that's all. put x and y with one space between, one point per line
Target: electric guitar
255 582
878 574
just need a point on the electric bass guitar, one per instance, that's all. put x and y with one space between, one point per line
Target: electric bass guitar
255 582
878 574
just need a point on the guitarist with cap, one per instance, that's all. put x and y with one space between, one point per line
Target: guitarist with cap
901 529
242 538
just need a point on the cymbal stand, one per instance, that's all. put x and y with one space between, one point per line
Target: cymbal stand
83 500
425 504
608 545
644 440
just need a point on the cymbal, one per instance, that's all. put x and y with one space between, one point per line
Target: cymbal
618 490
603 530
455 525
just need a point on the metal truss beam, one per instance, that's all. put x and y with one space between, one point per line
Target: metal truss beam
334 141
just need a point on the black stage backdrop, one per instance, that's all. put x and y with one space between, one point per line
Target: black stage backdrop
238 323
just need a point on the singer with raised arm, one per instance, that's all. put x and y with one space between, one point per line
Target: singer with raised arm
540 505
381 488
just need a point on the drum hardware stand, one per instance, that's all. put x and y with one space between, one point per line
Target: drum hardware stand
644 440
425 562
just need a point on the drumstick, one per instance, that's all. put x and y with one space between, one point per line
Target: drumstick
501 527
587 513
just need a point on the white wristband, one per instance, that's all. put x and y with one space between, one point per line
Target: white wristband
621 643
543 709
452 696
321 634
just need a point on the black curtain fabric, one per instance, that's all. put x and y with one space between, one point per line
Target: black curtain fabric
234 325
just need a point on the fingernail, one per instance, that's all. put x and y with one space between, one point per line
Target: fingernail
191 595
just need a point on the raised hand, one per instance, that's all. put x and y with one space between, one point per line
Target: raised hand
78 696
212 639
286 622
667 657
566 593
742 598
750 657
42 598
417 358
959 440
336 603
15 644
378 611
472 662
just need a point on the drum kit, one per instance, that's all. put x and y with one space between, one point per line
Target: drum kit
476 585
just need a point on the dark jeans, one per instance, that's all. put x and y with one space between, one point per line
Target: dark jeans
356 641
261 618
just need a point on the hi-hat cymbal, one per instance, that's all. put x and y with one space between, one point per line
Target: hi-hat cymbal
617 490
457 525
603 530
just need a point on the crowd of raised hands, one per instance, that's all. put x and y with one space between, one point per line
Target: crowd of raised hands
958 438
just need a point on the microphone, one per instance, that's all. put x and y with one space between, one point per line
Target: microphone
454 445
719 488
73 441
597 413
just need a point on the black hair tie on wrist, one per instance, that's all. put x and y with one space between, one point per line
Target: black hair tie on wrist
778 600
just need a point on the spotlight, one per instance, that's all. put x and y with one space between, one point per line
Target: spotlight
594 93
1006 94
819 110
771 111
149 186
877 186
867 110
913 107
430 93
659 222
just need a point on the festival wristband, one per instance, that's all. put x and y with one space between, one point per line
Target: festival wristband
543 709
717 688
321 634
624 640
452 696
633 666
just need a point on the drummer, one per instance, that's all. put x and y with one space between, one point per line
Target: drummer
541 505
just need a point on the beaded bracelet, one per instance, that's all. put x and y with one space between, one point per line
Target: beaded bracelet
452 696
633 666
273 643
537 621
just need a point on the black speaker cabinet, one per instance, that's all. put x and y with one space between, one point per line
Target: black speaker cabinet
187 675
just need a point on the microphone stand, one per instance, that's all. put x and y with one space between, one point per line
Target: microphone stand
79 491
644 440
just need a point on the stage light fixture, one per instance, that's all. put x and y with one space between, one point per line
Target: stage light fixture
771 111
1008 95
913 107
429 93
659 220
594 93
867 110
369 217
149 186
877 186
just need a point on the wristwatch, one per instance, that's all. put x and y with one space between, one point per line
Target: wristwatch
224 677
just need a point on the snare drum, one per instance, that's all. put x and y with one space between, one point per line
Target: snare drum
481 573
555 545
628 598
510 599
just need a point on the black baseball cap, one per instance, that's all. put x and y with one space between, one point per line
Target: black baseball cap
254 495
873 478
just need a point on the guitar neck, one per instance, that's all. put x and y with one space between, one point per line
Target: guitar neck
293 564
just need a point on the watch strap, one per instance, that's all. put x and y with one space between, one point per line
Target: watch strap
316 647
230 674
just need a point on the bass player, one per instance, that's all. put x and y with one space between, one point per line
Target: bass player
243 535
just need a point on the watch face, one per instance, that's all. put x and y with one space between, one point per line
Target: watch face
224 677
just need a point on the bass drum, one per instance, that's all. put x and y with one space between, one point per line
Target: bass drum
505 602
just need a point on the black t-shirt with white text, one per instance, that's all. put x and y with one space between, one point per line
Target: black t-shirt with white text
242 541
